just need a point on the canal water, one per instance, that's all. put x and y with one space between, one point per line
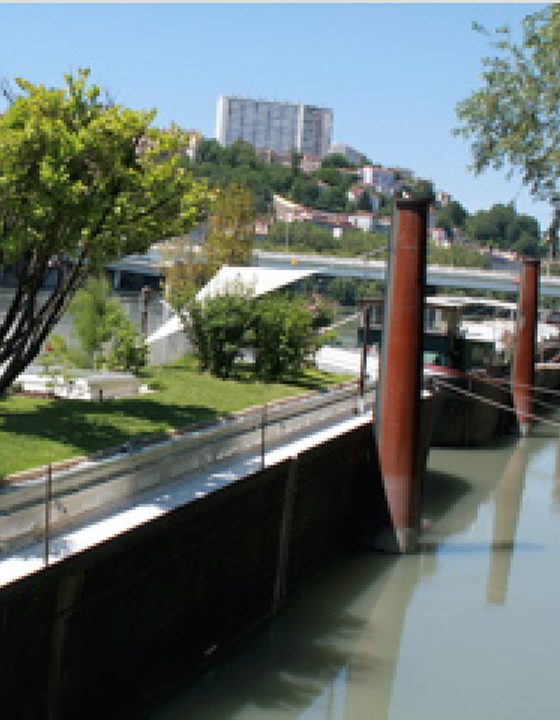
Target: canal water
466 629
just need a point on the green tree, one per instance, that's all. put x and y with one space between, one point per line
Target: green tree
209 151
343 290
450 217
231 228
364 201
295 162
305 191
333 199
513 119
306 237
218 328
82 182
241 154
284 336
107 336
418 187
185 270
128 349
332 176
281 330
336 160
460 255
95 313
501 227
229 240
386 208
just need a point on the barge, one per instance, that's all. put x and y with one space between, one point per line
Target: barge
468 343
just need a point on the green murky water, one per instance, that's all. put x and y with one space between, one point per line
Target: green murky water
466 629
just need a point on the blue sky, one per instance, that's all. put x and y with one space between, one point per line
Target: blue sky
392 73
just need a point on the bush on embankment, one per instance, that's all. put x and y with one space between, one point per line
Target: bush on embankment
281 331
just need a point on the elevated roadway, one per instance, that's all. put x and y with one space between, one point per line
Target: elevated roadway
437 275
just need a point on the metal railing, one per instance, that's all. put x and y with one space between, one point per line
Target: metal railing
35 509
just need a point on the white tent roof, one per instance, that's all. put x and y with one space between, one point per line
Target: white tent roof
169 327
258 280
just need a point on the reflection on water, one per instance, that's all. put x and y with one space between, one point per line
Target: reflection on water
465 629
507 507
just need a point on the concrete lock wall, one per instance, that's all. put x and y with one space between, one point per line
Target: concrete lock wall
102 628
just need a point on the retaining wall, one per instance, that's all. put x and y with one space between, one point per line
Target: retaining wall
93 635
92 487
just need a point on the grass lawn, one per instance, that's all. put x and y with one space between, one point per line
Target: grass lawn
35 432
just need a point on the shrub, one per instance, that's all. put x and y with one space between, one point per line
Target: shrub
219 327
280 330
127 347
283 336
95 315
107 337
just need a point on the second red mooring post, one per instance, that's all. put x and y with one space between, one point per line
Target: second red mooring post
525 342
401 373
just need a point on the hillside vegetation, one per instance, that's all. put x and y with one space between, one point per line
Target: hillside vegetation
499 227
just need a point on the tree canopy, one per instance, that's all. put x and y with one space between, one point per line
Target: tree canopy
513 119
230 237
231 228
240 163
282 331
336 160
306 237
451 216
82 182
107 336
503 228
364 201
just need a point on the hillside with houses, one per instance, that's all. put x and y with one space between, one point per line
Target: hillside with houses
330 192
342 195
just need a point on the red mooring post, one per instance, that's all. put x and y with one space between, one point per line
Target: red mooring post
401 374
525 342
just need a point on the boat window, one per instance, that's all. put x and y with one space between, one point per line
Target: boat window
436 357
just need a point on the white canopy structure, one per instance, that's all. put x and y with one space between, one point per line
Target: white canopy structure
257 280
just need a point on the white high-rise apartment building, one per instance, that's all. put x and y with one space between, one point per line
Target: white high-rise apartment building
276 126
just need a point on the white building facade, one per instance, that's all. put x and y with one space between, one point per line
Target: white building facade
272 125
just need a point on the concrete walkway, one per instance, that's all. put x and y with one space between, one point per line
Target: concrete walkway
152 504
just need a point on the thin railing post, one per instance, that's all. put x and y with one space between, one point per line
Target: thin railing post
263 428
48 497
363 364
